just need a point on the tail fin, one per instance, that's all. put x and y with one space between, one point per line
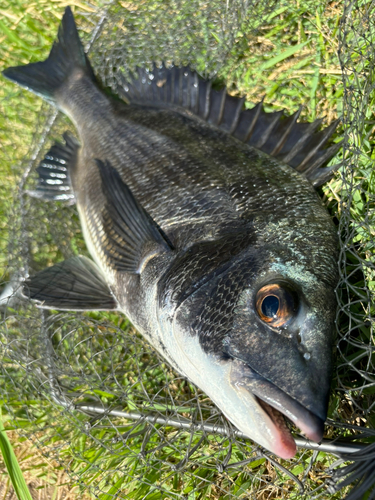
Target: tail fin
67 54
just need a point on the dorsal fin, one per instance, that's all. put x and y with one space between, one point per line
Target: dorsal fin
294 143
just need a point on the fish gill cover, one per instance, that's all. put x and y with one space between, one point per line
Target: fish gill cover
88 389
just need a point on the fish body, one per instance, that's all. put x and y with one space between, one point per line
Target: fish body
220 254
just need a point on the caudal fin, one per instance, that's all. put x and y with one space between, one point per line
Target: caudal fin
67 54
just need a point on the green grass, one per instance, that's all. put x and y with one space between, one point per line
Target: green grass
11 463
291 59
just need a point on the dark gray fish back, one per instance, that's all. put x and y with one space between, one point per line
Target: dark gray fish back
196 181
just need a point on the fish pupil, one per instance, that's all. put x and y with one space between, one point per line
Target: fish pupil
270 306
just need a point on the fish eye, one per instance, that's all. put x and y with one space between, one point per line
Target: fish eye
276 304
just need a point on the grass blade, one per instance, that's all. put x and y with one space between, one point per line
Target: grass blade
280 57
11 463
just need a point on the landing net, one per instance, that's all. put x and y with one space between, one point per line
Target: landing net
86 388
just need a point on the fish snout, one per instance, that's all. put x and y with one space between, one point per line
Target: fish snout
275 401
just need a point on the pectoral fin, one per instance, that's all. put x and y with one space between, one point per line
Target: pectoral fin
76 284
132 235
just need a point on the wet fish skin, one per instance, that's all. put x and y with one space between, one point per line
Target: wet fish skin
221 221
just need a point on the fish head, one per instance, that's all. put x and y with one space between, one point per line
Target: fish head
257 337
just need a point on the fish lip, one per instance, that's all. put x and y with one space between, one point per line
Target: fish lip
275 402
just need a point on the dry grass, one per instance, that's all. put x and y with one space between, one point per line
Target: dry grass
45 479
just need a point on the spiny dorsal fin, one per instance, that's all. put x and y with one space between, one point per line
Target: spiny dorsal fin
75 284
53 170
292 142
132 235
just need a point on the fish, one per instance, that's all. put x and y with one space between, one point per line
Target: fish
205 229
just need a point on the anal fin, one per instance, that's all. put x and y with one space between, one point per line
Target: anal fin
54 180
132 236
76 284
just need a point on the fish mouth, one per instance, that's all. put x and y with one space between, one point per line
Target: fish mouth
276 405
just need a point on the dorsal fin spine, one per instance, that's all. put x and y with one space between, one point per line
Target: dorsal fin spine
324 136
301 142
266 134
194 106
177 89
207 101
174 84
258 109
188 89
328 153
322 175
222 104
180 91
236 118
293 119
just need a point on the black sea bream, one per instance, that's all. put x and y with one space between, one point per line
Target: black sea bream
205 230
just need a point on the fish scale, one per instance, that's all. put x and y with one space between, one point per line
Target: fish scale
143 172
239 179
206 231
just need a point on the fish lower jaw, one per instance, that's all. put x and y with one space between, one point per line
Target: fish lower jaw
274 405
283 443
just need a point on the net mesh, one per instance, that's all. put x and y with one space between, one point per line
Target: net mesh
85 387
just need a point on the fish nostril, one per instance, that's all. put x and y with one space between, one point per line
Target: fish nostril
225 356
299 338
